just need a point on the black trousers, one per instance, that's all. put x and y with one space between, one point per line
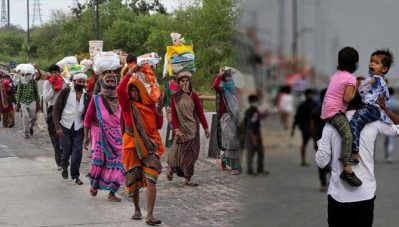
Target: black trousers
53 136
72 145
356 214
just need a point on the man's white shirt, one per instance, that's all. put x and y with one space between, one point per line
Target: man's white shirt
329 149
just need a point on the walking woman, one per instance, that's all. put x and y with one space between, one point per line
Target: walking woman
142 144
187 112
228 111
7 99
103 119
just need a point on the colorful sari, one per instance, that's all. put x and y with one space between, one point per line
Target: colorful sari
228 126
107 170
142 143
6 103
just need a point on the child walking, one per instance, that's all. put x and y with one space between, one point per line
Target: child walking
341 90
373 87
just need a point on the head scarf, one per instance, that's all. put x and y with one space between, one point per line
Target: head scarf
144 96
108 93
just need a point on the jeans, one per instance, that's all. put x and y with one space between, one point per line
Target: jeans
365 114
53 136
72 146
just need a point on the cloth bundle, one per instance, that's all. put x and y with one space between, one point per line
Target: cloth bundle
105 61
67 61
25 69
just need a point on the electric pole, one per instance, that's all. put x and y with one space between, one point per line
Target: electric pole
97 21
295 32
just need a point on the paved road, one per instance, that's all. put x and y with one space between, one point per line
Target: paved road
32 192
289 196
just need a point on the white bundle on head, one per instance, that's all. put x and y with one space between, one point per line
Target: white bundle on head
67 61
150 58
25 69
86 65
105 61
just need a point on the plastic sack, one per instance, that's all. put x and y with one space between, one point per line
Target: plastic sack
180 58
25 69
105 61
86 65
150 58
67 61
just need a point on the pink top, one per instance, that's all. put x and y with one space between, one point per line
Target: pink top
334 99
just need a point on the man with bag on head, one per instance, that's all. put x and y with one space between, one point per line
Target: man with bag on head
68 113
27 97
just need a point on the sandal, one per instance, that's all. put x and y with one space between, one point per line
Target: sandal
93 192
190 183
137 216
114 198
153 221
351 179
235 172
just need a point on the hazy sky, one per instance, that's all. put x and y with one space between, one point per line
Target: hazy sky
363 24
19 12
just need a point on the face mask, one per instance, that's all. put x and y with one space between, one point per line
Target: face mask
79 87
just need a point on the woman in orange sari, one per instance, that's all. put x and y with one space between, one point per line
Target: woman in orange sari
141 142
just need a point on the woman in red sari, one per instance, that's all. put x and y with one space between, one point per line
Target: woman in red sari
141 142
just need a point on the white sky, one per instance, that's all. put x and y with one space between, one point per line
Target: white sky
18 8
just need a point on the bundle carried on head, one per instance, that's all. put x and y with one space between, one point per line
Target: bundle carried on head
86 65
67 61
25 69
147 76
180 57
105 61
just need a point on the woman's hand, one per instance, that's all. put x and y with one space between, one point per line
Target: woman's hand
86 142
381 103
207 134
178 132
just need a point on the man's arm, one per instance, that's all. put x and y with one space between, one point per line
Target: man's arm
394 117
323 154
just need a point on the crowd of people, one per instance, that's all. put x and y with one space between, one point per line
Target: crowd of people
117 113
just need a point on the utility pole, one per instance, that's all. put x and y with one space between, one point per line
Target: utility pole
97 21
281 27
27 6
295 32
8 13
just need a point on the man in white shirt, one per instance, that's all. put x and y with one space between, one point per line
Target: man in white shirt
51 89
68 113
349 206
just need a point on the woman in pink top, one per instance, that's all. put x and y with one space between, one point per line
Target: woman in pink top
341 90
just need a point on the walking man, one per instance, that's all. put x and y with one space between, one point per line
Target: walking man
68 113
51 89
27 99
